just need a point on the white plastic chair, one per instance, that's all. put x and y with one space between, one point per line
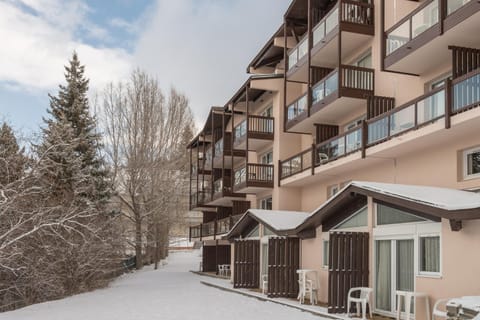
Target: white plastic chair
364 299
264 283
437 313
221 270
311 289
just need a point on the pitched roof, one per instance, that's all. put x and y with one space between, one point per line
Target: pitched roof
275 220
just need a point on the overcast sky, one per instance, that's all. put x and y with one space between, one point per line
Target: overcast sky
201 47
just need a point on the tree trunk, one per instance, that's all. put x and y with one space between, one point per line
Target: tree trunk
138 244
157 244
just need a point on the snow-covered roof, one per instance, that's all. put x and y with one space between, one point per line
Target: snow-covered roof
276 220
434 201
443 198
279 220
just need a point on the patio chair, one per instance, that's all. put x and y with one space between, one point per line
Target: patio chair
440 313
221 270
364 299
264 283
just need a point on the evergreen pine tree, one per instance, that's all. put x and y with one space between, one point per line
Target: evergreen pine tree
71 104
12 159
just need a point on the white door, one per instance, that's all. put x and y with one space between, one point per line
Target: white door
394 270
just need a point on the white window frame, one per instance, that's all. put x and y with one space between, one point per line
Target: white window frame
465 154
264 155
427 274
265 199
325 260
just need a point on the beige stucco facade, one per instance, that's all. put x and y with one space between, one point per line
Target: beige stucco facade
432 154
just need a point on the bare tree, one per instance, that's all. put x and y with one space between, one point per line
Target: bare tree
146 137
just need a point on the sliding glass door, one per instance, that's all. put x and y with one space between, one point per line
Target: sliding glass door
394 270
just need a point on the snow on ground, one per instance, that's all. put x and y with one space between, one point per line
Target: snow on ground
170 293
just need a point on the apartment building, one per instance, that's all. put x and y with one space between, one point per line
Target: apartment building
361 117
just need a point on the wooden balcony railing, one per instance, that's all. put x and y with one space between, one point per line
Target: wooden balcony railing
337 147
200 198
420 20
259 126
213 228
410 116
355 82
466 92
296 164
254 175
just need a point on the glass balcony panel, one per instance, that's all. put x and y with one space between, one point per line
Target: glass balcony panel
354 140
332 149
431 107
303 48
219 147
302 105
398 37
466 93
240 176
331 84
331 22
218 186
402 120
454 5
378 130
319 33
292 59
425 19
318 92
241 130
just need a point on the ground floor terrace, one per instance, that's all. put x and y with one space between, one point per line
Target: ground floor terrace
387 237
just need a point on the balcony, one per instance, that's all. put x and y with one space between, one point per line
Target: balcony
253 178
421 111
297 164
200 199
416 44
357 23
213 228
333 98
337 147
415 125
260 132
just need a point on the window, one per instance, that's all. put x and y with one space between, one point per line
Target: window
471 163
358 219
254 233
389 215
268 232
325 253
268 112
267 158
365 61
429 261
266 204
438 83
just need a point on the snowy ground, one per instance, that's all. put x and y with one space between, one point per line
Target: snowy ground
168 294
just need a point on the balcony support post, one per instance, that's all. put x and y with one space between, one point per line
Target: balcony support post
201 231
309 57
448 103
364 138
314 158
339 62
285 66
215 228
223 152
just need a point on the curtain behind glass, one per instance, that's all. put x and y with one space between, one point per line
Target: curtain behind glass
405 267
430 254
383 276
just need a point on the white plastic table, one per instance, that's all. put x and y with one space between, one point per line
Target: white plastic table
302 278
407 300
